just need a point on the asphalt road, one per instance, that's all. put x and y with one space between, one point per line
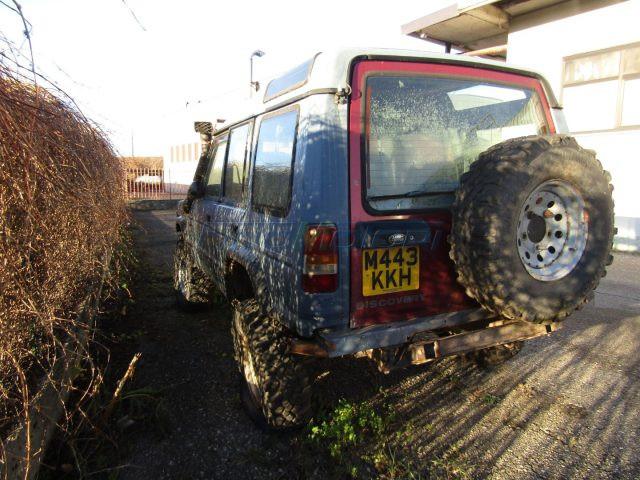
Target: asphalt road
568 406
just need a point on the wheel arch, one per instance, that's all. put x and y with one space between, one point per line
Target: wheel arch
243 277
180 223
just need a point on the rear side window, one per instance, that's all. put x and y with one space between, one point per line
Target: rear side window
213 186
234 174
291 80
274 162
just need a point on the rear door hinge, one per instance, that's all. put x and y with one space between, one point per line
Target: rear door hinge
342 95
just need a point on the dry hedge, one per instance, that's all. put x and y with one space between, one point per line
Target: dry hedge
61 210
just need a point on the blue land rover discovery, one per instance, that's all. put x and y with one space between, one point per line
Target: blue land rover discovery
402 205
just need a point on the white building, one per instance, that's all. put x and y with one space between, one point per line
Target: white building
180 162
590 53
183 147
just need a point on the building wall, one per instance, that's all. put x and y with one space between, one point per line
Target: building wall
180 163
543 42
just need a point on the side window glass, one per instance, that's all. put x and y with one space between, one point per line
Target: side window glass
236 161
274 162
213 186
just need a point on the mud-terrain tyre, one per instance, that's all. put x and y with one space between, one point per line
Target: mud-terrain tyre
275 385
493 356
532 228
193 288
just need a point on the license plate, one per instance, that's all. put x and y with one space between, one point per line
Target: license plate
389 270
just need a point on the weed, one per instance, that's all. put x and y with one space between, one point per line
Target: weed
391 465
98 440
132 336
490 399
450 465
346 435
346 427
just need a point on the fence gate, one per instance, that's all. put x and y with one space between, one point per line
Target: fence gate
148 183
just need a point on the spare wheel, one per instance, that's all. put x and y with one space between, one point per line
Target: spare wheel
533 228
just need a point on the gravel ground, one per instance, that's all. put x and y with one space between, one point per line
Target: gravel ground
568 406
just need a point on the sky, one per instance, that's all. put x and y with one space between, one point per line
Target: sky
139 79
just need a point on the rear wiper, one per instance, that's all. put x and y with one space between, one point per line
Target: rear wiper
418 193
411 194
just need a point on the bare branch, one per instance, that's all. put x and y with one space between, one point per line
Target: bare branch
27 34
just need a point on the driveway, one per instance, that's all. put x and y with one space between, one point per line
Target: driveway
568 406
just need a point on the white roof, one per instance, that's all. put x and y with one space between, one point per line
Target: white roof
330 70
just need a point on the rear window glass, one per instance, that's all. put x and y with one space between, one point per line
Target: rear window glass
423 132
294 78
274 162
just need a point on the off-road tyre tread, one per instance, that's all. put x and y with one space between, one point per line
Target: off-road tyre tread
480 197
200 288
283 378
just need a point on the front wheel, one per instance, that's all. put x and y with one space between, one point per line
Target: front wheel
192 287
275 387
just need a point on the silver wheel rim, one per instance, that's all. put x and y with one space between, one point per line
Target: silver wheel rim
552 230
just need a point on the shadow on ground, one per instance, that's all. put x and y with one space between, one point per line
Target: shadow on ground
568 406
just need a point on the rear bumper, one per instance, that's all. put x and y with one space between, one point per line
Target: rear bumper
347 342
482 330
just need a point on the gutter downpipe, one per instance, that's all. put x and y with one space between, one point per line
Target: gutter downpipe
493 51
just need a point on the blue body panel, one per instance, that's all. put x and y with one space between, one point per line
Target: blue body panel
270 247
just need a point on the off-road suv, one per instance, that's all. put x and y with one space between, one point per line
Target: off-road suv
401 205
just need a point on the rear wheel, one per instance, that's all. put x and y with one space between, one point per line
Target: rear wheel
533 228
275 388
193 289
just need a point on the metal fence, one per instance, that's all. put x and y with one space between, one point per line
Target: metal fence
148 183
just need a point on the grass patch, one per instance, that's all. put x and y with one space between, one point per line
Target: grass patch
346 427
361 441
101 439
490 399
345 437
450 465
392 463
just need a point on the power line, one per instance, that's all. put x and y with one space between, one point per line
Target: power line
134 16
9 7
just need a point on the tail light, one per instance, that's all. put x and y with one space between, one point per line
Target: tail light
320 269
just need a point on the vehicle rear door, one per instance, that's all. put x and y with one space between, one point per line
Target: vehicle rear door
231 212
414 128
209 208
